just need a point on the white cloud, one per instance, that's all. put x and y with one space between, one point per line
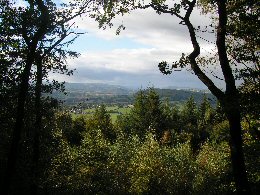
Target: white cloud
130 67
147 27
166 40
162 33
135 61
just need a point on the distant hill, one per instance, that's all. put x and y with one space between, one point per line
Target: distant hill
98 88
97 93
181 95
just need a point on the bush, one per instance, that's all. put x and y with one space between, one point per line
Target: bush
213 169
160 169
131 165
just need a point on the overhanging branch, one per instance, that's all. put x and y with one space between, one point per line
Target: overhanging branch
196 48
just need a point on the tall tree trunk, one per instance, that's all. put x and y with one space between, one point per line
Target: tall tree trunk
237 155
19 124
23 91
37 128
231 105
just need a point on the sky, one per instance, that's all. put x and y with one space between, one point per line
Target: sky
131 58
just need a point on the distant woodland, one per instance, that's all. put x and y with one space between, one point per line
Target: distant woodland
93 94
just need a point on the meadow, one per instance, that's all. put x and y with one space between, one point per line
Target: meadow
114 112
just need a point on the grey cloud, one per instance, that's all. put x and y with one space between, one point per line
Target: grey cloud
139 67
181 79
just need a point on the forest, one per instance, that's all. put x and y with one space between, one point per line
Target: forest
157 147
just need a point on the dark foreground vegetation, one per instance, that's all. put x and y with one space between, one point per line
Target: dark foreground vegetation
157 148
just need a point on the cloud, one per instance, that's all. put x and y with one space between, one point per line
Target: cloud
165 39
143 26
137 61
148 27
133 79
130 67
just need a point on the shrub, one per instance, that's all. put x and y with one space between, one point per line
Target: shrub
213 169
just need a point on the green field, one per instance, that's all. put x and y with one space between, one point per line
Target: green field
114 111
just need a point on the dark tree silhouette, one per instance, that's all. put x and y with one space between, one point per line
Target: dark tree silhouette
36 33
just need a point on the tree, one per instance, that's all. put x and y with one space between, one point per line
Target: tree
190 113
139 123
171 116
205 115
101 120
229 98
146 115
32 42
243 45
33 35
79 126
155 114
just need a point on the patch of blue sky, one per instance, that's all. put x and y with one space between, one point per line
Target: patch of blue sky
88 42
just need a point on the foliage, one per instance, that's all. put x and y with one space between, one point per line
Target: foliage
162 170
219 132
118 167
146 115
34 35
243 48
214 169
229 99
101 120
252 150
130 165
